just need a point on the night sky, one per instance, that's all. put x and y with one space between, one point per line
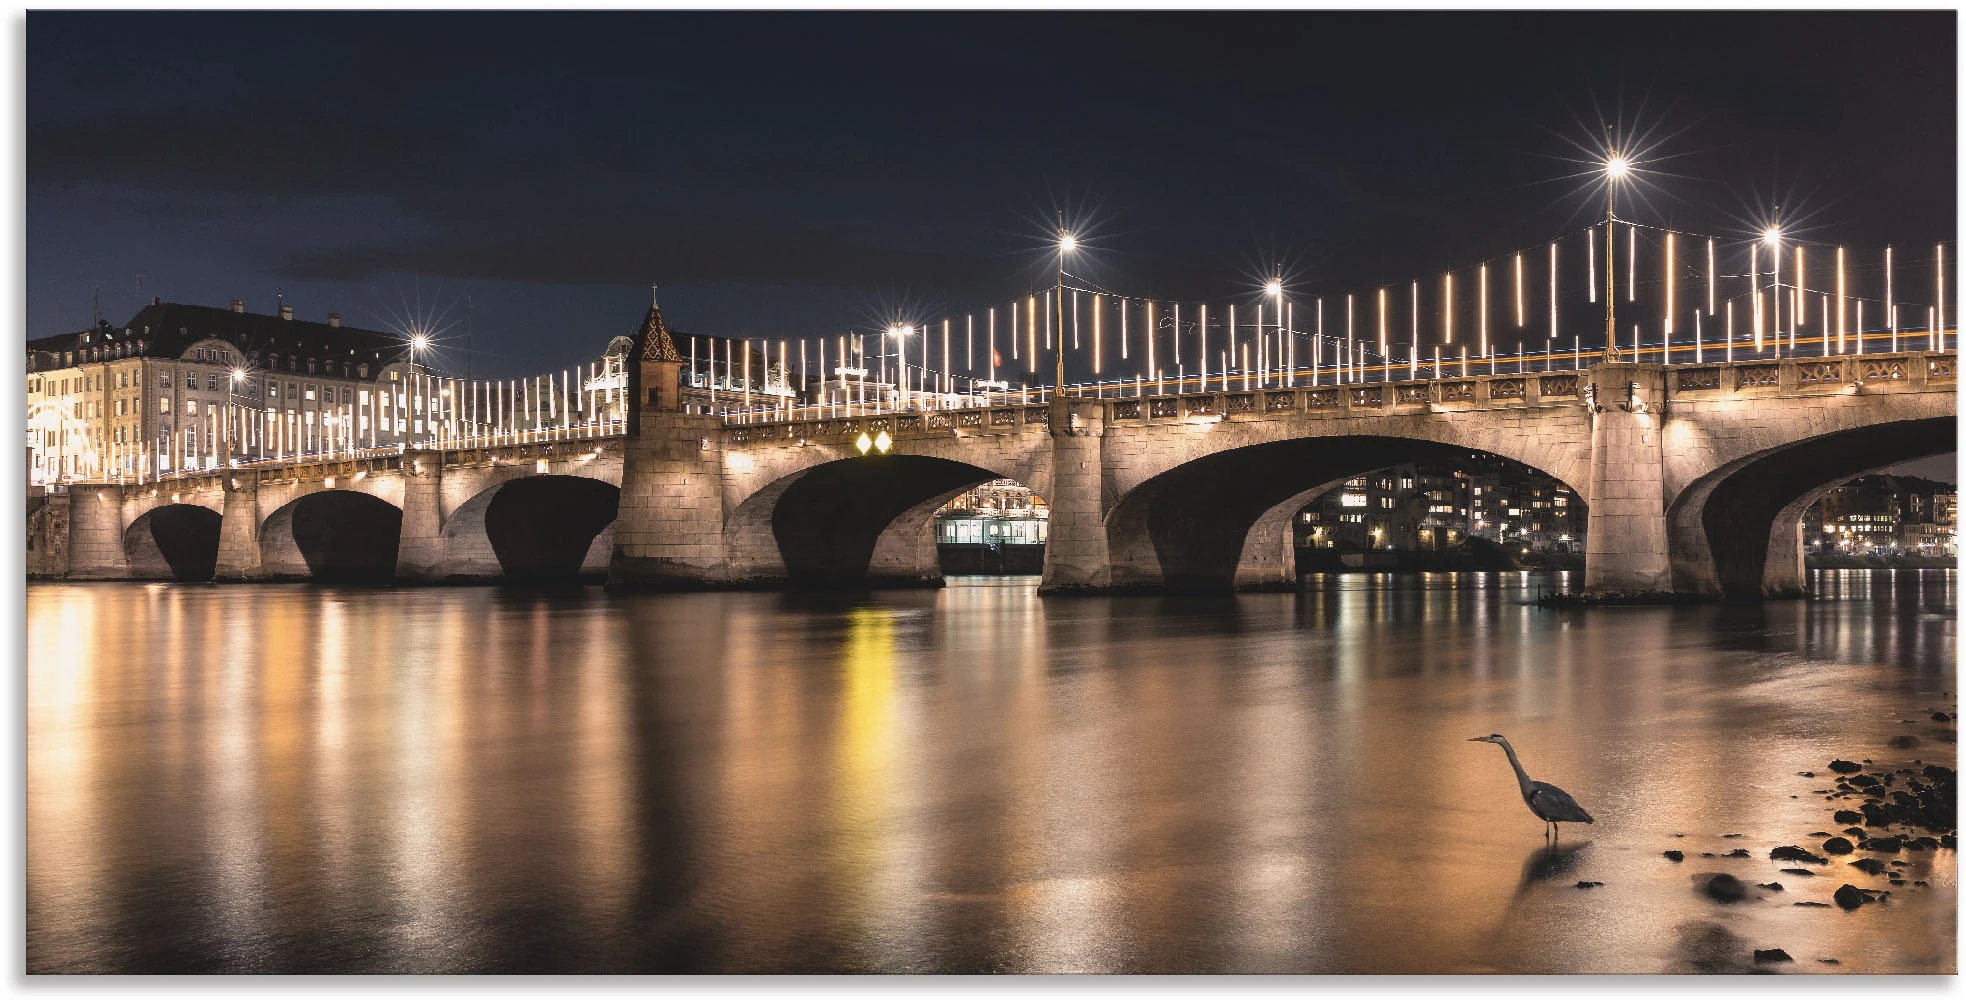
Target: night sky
784 175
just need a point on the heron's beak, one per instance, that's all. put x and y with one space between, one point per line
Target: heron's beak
1477 739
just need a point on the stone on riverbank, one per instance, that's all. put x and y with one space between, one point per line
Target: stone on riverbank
1726 889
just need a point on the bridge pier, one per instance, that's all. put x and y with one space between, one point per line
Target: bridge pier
1076 553
95 533
238 529
1626 548
420 547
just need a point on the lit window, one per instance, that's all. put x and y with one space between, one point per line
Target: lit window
1351 500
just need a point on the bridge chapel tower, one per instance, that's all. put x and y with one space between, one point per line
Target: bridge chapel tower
669 532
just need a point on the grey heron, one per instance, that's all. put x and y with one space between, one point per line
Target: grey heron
1551 804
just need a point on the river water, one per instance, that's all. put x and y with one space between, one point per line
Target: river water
307 779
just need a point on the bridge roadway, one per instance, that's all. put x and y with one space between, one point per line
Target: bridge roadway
1695 477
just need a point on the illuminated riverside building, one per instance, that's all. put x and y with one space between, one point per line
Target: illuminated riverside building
1427 507
1885 515
184 388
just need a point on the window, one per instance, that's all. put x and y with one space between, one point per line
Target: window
310 391
191 406
363 396
293 390
211 382
1351 500
123 380
164 380
163 406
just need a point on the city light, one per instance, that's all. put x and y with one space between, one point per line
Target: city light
1617 167
1067 242
1772 236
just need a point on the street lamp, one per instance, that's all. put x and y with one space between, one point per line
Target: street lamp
1066 244
1772 238
1616 169
900 333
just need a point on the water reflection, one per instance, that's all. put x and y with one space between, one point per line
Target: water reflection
310 779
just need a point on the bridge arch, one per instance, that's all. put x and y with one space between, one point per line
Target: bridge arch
332 536
853 521
1222 519
173 541
535 528
1736 531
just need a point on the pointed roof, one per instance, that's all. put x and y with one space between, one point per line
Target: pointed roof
653 339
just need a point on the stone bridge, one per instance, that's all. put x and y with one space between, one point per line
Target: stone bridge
1695 478
515 512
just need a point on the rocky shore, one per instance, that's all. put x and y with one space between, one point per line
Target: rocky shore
1888 824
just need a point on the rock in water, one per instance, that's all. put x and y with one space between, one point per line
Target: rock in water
1849 817
1824 905
1845 767
1850 897
1739 852
1837 845
1794 853
1869 866
1675 856
1884 845
1804 872
1726 889
1770 886
1588 885
1772 955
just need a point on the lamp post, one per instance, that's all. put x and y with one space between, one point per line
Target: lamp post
1066 244
900 334
1274 289
1772 236
1616 169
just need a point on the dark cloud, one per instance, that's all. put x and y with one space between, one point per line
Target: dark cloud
736 156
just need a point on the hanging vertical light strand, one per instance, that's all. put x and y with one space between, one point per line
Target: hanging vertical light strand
1382 324
1552 288
1890 306
1590 260
1669 294
1413 355
1631 263
1518 290
1447 309
1482 308
1840 326
1097 301
1710 277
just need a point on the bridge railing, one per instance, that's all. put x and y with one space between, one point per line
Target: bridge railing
1692 352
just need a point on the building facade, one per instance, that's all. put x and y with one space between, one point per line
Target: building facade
182 388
